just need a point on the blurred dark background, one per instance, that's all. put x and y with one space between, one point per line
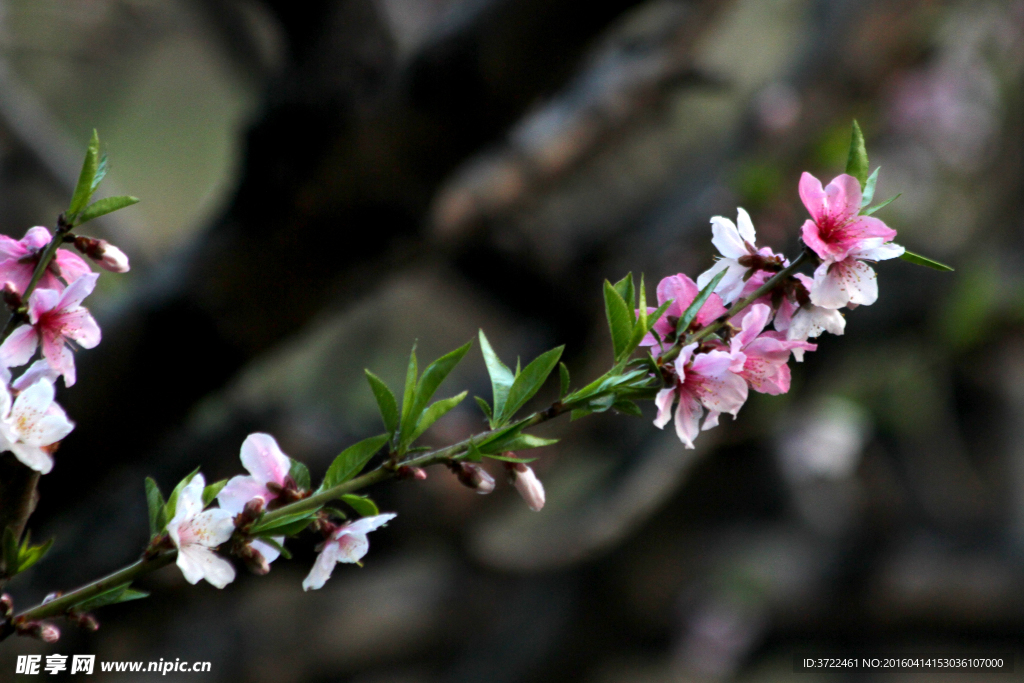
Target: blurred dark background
324 182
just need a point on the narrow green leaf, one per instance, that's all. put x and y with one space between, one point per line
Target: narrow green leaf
563 375
433 375
497 438
654 317
289 528
627 407
691 312
485 408
282 525
122 593
211 491
157 507
361 504
172 500
385 402
101 173
857 160
508 458
919 260
501 378
517 442
578 413
620 320
869 188
102 207
84 187
352 460
625 289
409 395
29 555
473 453
876 207
529 382
434 413
300 474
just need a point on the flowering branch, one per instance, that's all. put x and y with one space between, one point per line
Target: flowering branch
705 346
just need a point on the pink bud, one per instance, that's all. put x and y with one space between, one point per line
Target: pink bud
527 484
105 254
409 472
473 476
89 622
48 633
6 606
254 560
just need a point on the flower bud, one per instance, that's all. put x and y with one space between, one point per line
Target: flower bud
527 484
408 472
253 559
6 607
250 513
50 597
88 622
48 633
105 254
473 476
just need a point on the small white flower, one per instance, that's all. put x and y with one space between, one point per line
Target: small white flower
733 241
348 544
196 532
31 423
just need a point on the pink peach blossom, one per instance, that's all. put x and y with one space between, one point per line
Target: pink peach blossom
18 259
55 320
682 290
766 367
705 380
347 544
195 533
836 227
851 280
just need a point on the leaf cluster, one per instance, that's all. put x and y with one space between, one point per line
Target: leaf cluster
19 557
857 166
94 169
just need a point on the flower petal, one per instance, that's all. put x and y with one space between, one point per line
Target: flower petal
32 457
263 458
239 491
367 524
687 421
77 291
79 325
19 346
321 571
726 237
664 403
197 562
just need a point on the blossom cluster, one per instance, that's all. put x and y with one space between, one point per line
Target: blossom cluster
52 322
715 374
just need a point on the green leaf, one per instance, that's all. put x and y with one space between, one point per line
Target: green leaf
529 382
409 395
172 500
857 160
10 552
434 374
284 525
102 207
385 402
101 173
278 546
351 460
473 453
876 207
300 474
625 289
924 261
361 504
627 407
509 458
29 555
691 312
620 320
640 327
501 378
84 187
434 413
517 442
157 507
122 593
211 491
869 189
485 407
563 373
